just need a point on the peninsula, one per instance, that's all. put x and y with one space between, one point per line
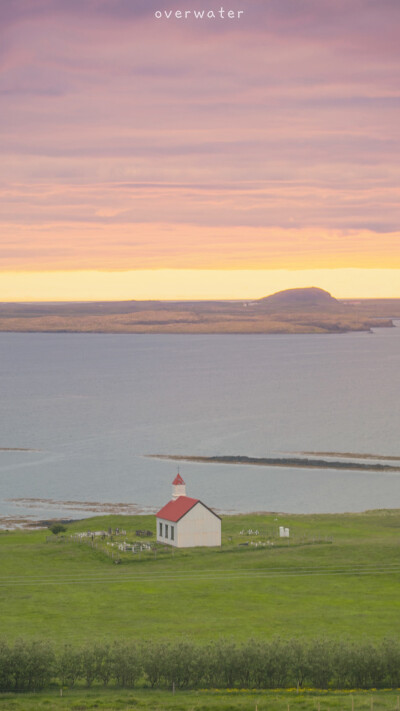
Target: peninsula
309 310
295 462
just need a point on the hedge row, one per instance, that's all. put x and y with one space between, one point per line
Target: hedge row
275 663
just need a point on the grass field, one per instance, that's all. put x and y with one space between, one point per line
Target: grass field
337 576
218 700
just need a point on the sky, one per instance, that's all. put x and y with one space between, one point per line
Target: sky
155 157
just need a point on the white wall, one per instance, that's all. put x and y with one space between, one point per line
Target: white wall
199 527
163 539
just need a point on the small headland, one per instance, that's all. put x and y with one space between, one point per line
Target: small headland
343 461
305 310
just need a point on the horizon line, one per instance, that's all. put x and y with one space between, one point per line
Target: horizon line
87 285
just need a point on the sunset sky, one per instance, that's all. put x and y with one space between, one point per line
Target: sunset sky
184 158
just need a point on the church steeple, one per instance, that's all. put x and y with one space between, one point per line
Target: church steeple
178 487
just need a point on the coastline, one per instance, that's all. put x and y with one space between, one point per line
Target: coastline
293 462
204 317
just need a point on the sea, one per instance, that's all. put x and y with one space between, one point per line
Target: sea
81 413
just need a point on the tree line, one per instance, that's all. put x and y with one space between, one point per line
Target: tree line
263 664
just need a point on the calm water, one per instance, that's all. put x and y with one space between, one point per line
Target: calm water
93 405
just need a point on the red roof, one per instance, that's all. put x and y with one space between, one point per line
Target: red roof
177 508
178 480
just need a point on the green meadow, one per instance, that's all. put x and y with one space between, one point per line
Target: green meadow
337 576
204 700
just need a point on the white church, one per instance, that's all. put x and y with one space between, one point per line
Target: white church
185 522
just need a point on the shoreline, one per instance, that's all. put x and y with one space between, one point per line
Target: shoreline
23 523
292 462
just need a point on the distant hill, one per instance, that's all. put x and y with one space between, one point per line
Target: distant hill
308 310
310 297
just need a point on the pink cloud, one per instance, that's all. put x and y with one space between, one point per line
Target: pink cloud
113 120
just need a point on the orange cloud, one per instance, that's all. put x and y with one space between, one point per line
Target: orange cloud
168 246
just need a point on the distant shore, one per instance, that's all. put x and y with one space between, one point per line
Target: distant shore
296 462
18 449
306 313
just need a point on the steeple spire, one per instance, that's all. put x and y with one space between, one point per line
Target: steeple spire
178 487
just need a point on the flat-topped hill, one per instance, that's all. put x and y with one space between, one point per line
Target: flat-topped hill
307 310
310 297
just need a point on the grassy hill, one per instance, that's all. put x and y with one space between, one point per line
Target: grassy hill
337 575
